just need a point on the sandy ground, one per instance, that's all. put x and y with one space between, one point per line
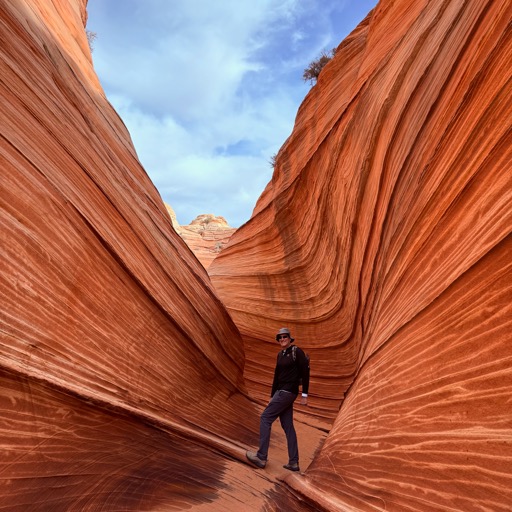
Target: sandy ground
247 487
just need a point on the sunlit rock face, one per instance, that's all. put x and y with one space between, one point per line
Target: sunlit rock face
383 242
206 235
118 362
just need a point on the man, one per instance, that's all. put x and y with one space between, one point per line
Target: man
292 368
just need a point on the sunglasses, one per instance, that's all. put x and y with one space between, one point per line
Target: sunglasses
282 336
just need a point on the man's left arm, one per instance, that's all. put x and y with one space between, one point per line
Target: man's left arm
304 374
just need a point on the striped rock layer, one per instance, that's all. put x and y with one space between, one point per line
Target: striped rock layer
205 236
383 242
119 365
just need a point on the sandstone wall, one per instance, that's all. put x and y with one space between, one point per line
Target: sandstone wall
117 359
383 242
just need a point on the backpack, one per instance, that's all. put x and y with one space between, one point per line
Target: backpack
294 355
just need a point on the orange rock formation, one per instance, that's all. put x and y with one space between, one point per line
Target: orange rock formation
383 242
121 371
206 235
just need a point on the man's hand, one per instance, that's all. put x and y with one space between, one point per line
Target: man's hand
304 400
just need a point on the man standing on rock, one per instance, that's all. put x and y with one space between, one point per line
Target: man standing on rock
292 370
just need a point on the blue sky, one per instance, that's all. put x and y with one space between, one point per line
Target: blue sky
209 90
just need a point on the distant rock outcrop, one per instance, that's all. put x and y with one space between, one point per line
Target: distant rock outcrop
206 235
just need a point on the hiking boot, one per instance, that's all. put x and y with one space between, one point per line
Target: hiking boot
256 460
292 467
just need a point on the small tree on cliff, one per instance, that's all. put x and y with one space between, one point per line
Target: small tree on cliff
313 70
91 37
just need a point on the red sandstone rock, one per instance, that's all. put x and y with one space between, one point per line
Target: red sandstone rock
121 371
383 242
206 235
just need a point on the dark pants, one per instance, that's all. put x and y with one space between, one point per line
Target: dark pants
281 406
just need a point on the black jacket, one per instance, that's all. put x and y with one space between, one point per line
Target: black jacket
288 372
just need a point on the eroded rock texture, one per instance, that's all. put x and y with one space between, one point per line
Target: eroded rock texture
120 368
206 235
383 242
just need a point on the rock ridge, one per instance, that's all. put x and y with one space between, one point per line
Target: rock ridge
206 235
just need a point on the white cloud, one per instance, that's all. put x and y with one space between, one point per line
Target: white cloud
209 90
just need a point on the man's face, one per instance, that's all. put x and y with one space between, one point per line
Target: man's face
284 340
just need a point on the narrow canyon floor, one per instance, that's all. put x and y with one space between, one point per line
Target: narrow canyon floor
247 488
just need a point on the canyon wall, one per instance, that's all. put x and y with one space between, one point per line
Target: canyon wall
383 242
118 362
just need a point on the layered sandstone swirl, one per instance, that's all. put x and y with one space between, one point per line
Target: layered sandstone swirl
132 378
